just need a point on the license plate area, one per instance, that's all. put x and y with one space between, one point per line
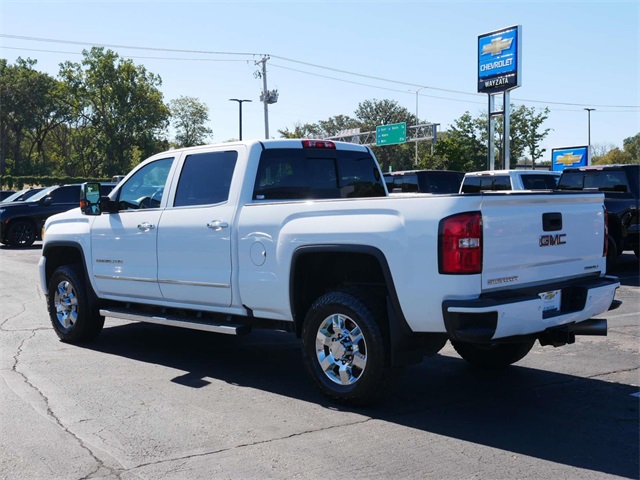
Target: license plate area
551 303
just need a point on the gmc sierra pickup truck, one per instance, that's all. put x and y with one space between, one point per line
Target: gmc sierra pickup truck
301 236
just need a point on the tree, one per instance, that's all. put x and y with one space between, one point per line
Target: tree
527 132
461 147
30 108
615 156
188 117
631 145
121 102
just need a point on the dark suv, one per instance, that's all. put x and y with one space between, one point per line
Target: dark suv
621 187
424 181
22 222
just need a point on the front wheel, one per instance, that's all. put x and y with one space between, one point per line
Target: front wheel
493 355
343 348
21 233
73 316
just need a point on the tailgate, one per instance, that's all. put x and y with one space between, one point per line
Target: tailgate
531 238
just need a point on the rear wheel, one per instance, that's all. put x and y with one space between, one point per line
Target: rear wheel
343 348
21 233
73 316
493 355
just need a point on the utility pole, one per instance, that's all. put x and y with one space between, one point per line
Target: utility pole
417 123
267 96
589 110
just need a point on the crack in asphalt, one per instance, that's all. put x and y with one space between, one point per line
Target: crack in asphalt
52 415
24 309
244 445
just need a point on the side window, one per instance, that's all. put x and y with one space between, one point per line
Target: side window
66 195
146 187
471 185
206 178
539 182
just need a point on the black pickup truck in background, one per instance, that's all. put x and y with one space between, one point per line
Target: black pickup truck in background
621 187
423 181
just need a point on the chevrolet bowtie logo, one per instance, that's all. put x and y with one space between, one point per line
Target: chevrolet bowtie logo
568 159
497 46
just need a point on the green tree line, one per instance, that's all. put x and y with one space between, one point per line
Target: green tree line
96 119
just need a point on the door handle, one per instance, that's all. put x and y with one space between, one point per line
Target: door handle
146 226
217 225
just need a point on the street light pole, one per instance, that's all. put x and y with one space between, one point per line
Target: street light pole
589 110
240 107
417 120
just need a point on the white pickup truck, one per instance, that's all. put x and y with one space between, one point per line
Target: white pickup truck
301 235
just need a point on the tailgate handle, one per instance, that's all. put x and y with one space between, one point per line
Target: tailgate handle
552 222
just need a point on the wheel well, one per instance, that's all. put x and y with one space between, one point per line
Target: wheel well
317 272
24 219
62 255
615 230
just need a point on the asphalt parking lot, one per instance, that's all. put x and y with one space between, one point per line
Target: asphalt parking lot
151 402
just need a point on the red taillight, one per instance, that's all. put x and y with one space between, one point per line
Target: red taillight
605 248
460 244
318 144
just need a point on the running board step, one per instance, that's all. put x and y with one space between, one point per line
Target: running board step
176 321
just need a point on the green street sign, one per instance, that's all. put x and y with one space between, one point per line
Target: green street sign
391 134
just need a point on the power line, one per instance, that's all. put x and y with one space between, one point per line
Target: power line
346 72
372 86
130 56
156 49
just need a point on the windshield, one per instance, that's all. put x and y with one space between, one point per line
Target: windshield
13 196
43 193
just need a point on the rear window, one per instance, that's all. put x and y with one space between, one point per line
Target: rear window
602 180
287 174
486 183
539 182
436 182
402 183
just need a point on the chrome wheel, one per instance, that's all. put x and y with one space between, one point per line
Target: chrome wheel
66 304
341 349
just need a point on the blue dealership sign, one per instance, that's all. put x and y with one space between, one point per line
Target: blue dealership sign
499 60
569 157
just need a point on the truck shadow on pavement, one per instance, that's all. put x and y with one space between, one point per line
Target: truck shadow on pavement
580 422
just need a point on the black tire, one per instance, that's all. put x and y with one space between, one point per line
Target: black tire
353 348
73 314
493 355
612 254
22 233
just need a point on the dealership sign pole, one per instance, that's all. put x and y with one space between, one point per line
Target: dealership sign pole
499 72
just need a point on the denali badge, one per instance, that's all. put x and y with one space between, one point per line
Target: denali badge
551 240
496 281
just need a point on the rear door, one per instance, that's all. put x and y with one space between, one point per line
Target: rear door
194 235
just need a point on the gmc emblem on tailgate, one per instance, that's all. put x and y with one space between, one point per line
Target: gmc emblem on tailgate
551 240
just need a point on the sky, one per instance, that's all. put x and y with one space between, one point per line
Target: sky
325 58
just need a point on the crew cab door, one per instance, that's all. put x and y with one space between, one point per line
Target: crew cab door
194 236
124 243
